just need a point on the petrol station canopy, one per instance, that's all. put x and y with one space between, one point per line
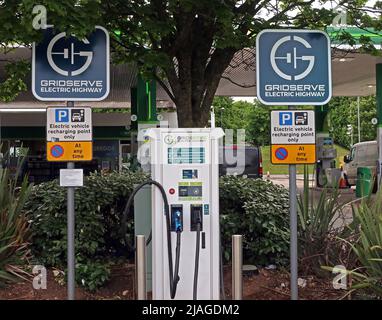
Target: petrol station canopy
353 74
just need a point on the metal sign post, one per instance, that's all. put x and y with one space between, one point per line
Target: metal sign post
293 68
293 230
70 232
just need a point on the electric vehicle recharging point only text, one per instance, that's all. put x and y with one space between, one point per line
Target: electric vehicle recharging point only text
185 162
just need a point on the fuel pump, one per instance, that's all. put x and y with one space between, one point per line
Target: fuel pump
326 155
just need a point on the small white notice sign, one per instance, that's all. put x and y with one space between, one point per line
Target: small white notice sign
71 177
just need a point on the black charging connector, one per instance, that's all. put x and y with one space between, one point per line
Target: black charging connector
196 217
196 225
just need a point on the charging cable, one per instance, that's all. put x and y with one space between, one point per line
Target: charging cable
173 277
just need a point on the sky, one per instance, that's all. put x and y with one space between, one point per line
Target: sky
248 99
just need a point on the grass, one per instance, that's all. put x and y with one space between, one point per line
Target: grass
283 169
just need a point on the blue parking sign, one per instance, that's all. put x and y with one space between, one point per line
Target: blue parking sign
62 115
285 119
293 67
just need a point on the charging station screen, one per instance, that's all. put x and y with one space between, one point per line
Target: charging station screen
186 155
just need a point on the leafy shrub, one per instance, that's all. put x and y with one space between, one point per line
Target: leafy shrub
254 208
98 206
258 210
92 274
14 229
367 224
321 226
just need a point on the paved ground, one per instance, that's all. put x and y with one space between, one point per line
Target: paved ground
283 179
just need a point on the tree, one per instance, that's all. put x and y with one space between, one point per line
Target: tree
253 117
368 111
186 45
20 27
259 125
338 116
232 115
343 111
221 104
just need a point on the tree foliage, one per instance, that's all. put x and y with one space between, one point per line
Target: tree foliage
233 115
253 117
14 83
343 112
185 45
259 125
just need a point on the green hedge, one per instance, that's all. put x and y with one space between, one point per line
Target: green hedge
98 207
258 210
254 208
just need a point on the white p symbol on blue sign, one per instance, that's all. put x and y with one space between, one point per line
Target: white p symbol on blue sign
285 118
62 115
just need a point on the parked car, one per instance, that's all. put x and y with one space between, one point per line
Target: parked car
362 154
246 161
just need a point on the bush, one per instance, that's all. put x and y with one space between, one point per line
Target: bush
98 206
14 229
367 224
92 274
258 210
321 225
254 208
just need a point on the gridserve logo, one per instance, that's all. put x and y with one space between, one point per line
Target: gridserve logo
68 53
293 67
292 58
71 69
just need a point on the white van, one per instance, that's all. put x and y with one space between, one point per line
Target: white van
362 154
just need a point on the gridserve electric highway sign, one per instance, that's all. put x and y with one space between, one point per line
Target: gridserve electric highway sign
293 67
293 137
67 69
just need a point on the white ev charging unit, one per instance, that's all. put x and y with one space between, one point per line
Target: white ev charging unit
186 163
